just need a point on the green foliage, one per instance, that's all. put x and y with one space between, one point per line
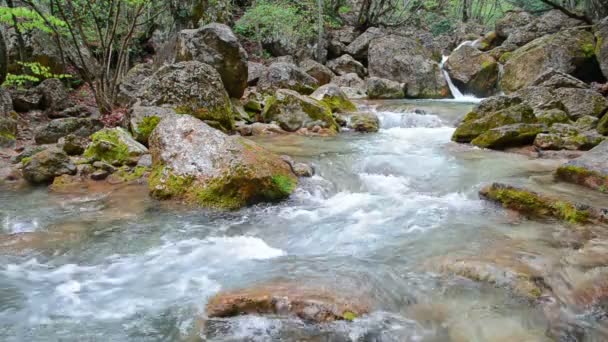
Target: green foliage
439 24
28 19
35 73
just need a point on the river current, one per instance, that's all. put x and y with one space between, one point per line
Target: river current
121 267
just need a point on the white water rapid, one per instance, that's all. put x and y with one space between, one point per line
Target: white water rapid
456 93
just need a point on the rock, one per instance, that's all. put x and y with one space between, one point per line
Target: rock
405 60
77 111
318 71
114 146
380 88
567 137
6 102
293 111
550 22
590 170
492 113
512 22
216 45
134 80
602 125
286 76
487 42
536 205
334 98
286 299
25 100
55 95
586 123
255 72
8 122
191 88
360 46
100 175
346 64
44 166
351 85
58 128
195 163
509 136
540 98
73 145
554 79
238 111
552 116
143 120
601 49
365 122
473 71
299 169
259 129
581 102
569 51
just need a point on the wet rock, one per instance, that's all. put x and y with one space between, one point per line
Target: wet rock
536 205
56 129
256 71
359 48
216 45
100 175
364 122
143 120
405 60
73 145
492 113
473 71
601 50
487 42
44 166
134 80
293 111
114 145
590 170
509 136
318 71
380 88
309 304
569 51
287 76
200 165
25 100
346 64
567 137
333 97
191 88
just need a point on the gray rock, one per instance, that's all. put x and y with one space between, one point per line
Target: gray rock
78 111
586 122
44 166
380 88
601 34
55 95
255 72
581 102
318 71
73 145
287 76
590 170
114 146
334 98
365 122
360 46
293 111
25 100
346 64
554 79
143 120
509 136
56 129
473 71
133 81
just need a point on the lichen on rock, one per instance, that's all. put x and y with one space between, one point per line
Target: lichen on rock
114 145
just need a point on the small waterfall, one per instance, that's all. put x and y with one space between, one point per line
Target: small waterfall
456 93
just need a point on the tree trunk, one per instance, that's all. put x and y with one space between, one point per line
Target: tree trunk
465 11
320 55
3 58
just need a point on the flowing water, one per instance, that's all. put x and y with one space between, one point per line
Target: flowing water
122 267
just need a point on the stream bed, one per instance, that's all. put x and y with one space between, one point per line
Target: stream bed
380 209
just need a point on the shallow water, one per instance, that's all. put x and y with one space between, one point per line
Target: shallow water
121 267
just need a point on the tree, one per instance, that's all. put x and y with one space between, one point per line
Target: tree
3 58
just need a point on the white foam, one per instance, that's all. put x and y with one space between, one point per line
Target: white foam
387 184
408 120
246 247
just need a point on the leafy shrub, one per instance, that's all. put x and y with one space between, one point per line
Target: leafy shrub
35 74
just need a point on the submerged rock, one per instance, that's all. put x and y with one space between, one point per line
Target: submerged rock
286 76
473 71
536 205
333 97
380 88
293 111
590 170
191 88
44 166
114 146
284 299
203 166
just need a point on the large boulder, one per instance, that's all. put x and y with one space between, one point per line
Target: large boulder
293 112
203 166
359 47
570 51
143 120
286 76
512 22
216 45
582 102
590 170
364 122
44 166
25 100
333 97
492 113
320 72
191 88
115 146
380 88
352 85
473 71
55 95
346 64
405 60
522 27
601 50
134 80
255 72
56 129
509 136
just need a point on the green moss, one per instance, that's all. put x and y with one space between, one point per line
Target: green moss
338 104
145 128
505 57
163 184
588 50
568 212
128 175
535 292
223 116
107 146
26 160
349 315
285 184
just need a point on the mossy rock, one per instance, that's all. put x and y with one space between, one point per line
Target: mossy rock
589 170
114 146
479 121
293 111
364 122
509 136
334 98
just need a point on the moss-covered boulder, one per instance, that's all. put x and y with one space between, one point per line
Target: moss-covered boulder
202 166
59 128
191 88
473 71
333 97
509 136
590 170
380 88
365 122
114 146
581 102
569 51
44 166
552 116
492 113
282 75
567 137
536 205
143 120
293 111
601 50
